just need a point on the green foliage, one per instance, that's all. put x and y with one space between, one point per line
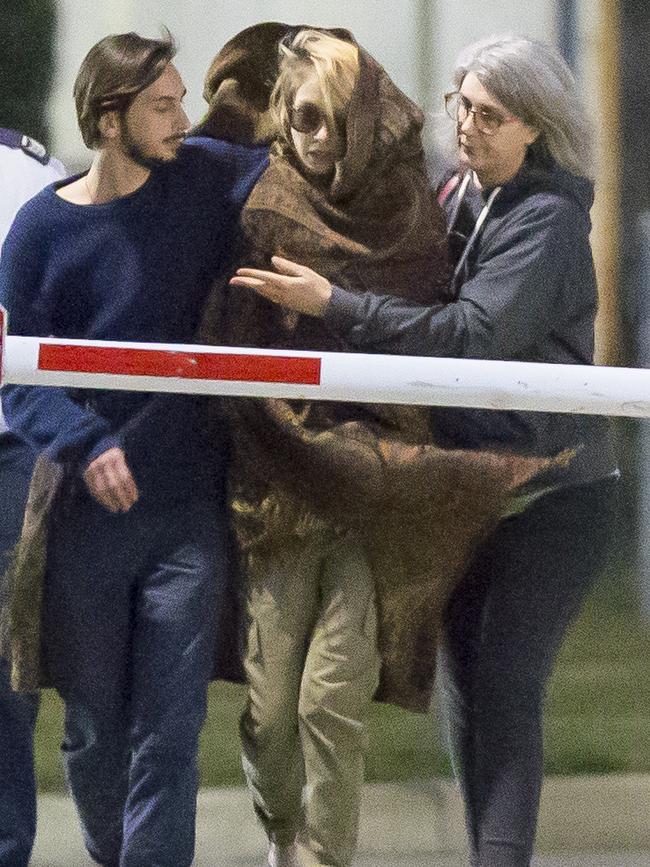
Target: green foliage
27 38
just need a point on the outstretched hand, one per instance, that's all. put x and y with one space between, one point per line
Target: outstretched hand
290 285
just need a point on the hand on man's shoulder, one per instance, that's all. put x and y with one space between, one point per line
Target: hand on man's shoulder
236 168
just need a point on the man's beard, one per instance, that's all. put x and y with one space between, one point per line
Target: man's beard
136 153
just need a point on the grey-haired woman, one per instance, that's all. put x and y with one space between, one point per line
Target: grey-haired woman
525 290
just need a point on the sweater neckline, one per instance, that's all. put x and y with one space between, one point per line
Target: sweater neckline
100 207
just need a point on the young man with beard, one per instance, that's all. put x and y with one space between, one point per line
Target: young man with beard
128 251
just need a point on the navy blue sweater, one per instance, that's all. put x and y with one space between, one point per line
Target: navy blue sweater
136 268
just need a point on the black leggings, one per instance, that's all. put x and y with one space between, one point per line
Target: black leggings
504 626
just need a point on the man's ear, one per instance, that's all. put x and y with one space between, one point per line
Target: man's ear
109 125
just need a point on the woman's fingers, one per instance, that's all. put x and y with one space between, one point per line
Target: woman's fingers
267 288
275 287
286 266
248 282
257 274
298 288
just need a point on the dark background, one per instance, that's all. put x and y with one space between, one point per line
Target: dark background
27 43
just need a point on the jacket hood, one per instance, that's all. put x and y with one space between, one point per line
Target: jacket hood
383 126
550 178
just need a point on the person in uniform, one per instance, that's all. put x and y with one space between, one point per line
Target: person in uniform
25 168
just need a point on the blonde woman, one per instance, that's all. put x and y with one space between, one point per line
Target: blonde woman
313 660
344 512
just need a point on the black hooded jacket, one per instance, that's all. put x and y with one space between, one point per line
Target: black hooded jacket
528 293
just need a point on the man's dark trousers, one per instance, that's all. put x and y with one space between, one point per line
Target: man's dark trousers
129 620
17 712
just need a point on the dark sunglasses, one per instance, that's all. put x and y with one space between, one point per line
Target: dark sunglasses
307 118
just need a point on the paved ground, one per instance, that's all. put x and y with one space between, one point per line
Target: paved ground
585 822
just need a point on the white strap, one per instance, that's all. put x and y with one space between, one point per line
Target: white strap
482 217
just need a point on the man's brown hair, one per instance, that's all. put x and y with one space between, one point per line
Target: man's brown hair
113 73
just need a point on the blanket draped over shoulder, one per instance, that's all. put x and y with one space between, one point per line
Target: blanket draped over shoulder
21 640
20 619
420 510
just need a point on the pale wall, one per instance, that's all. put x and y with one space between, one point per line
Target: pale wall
391 29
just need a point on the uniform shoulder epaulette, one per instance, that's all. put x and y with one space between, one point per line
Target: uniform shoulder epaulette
11 138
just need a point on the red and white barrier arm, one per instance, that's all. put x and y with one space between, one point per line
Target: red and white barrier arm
359 378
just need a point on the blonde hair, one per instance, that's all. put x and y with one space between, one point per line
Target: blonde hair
334 62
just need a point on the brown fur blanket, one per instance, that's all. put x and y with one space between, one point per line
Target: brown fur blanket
20 618
420 510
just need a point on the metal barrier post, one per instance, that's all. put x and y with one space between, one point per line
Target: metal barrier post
642 321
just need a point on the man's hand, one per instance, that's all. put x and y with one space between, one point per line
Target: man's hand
110 481
293 286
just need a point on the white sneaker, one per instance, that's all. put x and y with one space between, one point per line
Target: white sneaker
283 856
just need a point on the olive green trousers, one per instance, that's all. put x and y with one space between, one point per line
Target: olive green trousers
313 666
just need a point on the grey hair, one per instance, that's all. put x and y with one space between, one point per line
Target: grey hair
535 84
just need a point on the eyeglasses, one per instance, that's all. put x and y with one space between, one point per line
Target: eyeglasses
308 118
486 120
